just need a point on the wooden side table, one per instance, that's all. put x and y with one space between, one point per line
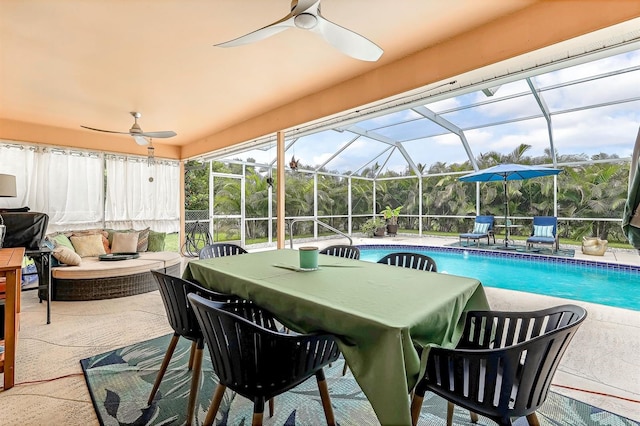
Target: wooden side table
11 269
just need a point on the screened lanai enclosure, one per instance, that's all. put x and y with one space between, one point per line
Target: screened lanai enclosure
581 116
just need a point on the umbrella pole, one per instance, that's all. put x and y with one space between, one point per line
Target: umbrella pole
506 214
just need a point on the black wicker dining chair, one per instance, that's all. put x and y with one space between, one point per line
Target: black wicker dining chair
410 260
503 364
350 252
219 250
173 291
257 362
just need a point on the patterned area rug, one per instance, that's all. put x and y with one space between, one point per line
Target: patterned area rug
515 248
120 382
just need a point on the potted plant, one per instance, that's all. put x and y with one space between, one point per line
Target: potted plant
373 227
391 216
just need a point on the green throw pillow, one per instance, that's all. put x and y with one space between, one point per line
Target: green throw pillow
156 241
62 240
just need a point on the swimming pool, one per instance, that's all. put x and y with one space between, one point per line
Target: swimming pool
596 282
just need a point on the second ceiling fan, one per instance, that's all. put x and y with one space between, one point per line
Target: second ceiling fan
138 134
305 14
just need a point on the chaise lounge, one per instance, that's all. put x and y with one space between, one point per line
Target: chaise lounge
482 228
545 231
104 264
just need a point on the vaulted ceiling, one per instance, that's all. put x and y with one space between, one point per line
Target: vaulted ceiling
68 63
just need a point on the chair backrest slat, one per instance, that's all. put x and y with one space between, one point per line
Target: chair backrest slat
220 250
347 251
410 260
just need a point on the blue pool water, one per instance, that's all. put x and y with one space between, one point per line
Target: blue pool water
603 283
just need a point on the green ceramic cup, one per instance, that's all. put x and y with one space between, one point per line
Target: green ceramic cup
308 257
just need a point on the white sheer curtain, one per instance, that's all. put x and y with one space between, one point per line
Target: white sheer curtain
67 185
139 195
20 161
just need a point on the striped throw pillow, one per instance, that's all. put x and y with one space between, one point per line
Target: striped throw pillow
480 228
543 231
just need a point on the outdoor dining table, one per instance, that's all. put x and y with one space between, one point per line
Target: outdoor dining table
377 312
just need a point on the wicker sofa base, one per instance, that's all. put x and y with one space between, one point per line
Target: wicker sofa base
106 288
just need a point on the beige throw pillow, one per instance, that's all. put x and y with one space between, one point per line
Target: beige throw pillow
88 245
124 242
66 255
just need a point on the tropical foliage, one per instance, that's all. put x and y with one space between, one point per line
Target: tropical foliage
591 196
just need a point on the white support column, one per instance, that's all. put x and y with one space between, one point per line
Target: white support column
315 205
280 212
420 206
349 207
243 224
211 201
270 213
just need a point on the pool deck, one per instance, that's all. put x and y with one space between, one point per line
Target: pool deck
601 365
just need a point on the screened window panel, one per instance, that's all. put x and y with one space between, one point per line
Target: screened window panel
589 69
413 129
314 150
333 195
595 92
436 150
257 193
505 138
356 156
522 106
611 129
473 98
389 119
361 196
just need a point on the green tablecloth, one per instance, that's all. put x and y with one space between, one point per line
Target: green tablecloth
377 311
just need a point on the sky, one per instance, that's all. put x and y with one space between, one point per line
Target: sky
600 128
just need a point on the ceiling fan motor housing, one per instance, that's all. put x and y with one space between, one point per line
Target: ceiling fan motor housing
306 21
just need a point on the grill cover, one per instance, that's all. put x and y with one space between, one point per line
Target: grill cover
26 229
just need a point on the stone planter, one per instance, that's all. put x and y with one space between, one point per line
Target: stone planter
392 230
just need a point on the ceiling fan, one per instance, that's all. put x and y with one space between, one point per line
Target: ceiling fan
305 14
137 133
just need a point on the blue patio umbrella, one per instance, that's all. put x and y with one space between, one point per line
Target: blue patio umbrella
505 172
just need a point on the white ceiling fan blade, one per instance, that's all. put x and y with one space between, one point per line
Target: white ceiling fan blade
305 6
262 33
163 134
348 42
140 140
106 131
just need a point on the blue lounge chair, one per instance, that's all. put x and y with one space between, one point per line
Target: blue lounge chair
545 231
482 228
